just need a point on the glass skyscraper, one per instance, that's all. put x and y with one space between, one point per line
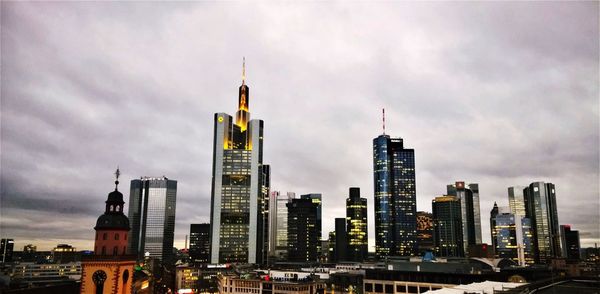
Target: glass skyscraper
200 243
356 219
278 241
516 200
470 212
240 184
152 217
540 208
303 238
424 231
395 198
447 226
511 235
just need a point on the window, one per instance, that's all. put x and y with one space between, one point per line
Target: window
103 250
378 288
116 250
117 236
104 236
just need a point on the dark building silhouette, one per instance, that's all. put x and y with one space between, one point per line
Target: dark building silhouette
540 208
152 216
424 232
200 243
6 250
303 236
395 197
340 252
356 226
569 240
317 198
447 222
240 187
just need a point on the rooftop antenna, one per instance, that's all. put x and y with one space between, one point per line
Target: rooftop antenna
383 110
117 174
244 70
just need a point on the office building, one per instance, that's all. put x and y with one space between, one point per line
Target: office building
511 235
200 243
395 197
65 253
424 232
540 208
356 226
470 213
447 227
109 269
569 240
516 200
317 198
340 241
278 244
303 238
6 250
239 193
152 215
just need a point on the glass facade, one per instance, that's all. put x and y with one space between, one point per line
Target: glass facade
240 188
278 224
569 243
516 200
303 239
447 227
152 217
200 243
540 205
511 236
356 226
395 197
470 212
424 232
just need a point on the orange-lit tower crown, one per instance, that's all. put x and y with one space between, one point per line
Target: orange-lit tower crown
243 115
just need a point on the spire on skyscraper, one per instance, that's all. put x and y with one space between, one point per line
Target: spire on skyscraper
244 71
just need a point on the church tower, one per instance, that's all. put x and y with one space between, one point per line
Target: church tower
109 269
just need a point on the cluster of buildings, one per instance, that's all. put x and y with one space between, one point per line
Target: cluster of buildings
263 241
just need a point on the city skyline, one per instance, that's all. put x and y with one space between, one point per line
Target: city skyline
84 93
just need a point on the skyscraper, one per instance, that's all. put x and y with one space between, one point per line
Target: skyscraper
470 213
278 223
569 240
356 219
516 200
200 243
395 197
424 232
540 208
511 235
447 226
239 182
303 238
152 217
6 250
317 198
341 241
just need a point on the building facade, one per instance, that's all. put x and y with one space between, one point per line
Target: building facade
200 243
424 232
152 215
540 208
569 240
356 226
340 241
303 238
516 200
395 198
278 224
109 269
239 194
511 235
6 250
470 212
317 198
447 227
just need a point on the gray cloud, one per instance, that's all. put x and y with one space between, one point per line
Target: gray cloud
497 93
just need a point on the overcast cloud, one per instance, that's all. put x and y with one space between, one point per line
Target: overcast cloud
500 94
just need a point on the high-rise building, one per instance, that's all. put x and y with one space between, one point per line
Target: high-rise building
278 220
470 213
340 252
200 243
6 250
109 269
395 197
424 232
356 225
239 182
569 240
447 226
511 235
317 198
516 200
540 208
303 238
152 216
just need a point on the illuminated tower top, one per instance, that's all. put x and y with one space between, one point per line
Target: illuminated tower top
243 115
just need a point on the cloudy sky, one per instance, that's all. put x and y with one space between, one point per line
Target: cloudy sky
500 94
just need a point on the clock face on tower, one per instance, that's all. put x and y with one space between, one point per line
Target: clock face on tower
99 277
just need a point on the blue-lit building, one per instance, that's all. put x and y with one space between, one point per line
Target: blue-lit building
511 235
395 198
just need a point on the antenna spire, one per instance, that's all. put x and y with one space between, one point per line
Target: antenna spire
244 71
383 110
117 174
